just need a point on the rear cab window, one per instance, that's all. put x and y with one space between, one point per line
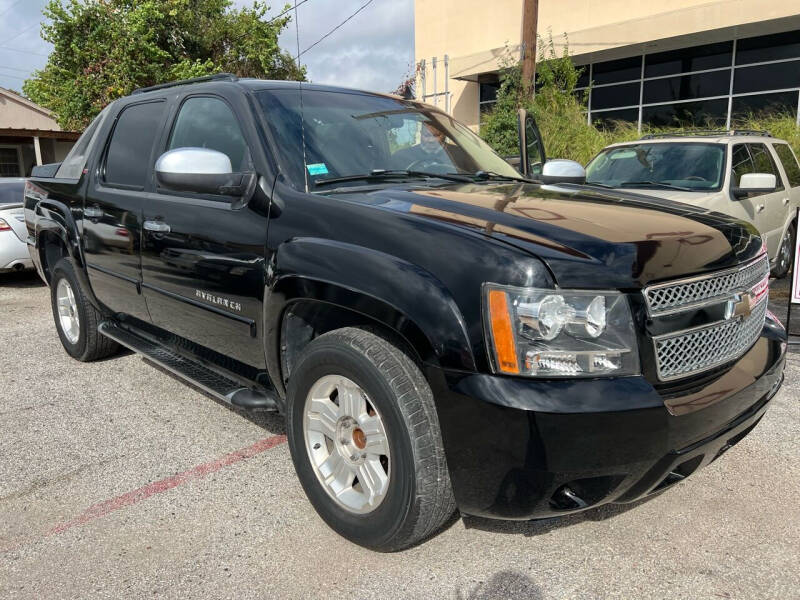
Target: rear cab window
75 161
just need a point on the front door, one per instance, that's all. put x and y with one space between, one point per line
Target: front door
112 211
765 211
203 255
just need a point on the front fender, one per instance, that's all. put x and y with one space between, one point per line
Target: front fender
387 289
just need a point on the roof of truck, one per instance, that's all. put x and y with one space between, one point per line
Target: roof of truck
711 137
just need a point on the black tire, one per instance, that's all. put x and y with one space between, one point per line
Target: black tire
783 262
419 497
91 344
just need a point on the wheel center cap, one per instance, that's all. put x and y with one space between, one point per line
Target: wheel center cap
359 439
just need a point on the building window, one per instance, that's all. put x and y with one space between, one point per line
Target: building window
488 86
716 84
10 161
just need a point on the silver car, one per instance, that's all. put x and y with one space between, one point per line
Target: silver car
13 249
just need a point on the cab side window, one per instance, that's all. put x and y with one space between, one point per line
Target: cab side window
206 122
789 163
131 144
741 163
764 163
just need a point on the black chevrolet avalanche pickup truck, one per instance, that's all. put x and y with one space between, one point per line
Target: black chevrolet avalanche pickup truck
440 331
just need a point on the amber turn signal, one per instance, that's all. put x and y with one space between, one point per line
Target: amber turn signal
502 332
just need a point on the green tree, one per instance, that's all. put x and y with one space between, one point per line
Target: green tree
104 49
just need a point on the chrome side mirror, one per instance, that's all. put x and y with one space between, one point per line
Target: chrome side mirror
755 183
200 170
561 170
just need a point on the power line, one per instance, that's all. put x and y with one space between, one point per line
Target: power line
288 10
13 37
362 7
23 51
12 76
10 6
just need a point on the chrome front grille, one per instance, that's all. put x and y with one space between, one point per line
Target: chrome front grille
686 353
684 294
742 290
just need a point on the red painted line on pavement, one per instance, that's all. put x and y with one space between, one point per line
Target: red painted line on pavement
101 509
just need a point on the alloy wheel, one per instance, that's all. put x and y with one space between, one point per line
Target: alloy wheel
68 311
347 444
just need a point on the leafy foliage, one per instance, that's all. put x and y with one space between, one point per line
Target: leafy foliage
104 49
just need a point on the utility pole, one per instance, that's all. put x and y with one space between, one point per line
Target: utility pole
530 21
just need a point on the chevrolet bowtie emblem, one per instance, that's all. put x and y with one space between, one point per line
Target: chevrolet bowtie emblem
740 306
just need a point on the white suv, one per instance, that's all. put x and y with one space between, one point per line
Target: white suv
745 174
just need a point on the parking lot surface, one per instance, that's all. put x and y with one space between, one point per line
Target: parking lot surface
118 481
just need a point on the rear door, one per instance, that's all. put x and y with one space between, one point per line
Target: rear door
791 170
203 255
112 214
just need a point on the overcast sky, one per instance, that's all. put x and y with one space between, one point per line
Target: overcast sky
374 50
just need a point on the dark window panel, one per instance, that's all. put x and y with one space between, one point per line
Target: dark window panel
488 91
486 107
583 80
612 96
625 69
768 47
763 104
767 77
703 113
789 163
128 156
697 58
606 119
687 87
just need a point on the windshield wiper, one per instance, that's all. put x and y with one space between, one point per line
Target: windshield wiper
598 184
382 174
663 184
491 175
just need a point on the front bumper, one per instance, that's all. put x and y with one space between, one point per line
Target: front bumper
521 448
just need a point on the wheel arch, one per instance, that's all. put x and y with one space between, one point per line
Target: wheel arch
354 286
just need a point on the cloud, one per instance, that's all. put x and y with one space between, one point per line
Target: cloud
374 50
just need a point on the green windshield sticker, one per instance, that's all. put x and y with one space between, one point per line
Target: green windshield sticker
317 169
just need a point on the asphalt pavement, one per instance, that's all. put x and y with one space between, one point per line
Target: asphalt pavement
119 481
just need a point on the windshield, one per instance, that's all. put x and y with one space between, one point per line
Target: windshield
685 166
11 191
352 133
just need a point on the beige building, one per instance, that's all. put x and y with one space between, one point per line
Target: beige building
29 135
649 62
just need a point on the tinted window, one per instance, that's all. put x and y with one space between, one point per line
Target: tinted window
128 157
210 123
789 163
764 163
703 113
763 105
687 87
767 77
72 166
612 71
608 118
768 47
615 95
698 58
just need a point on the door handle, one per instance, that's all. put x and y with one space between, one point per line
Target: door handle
157 226
785 201
759 208
93 212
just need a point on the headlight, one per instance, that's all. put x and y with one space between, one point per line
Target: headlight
557 333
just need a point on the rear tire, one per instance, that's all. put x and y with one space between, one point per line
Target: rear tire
75 318
414 497
783 262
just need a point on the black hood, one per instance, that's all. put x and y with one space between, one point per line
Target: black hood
585 235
